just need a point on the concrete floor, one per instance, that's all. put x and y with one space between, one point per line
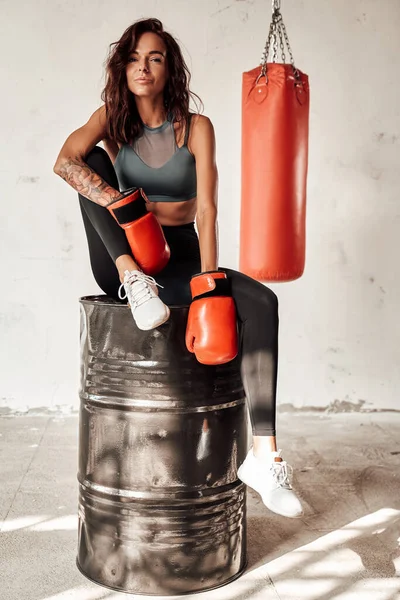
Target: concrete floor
347 471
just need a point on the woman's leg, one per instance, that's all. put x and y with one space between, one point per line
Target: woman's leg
106 227
257 311
110 254
263 469
184 263
103 268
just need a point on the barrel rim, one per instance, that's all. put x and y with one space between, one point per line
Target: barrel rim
177 593
103 299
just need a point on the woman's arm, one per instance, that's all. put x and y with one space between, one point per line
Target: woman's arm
203 147
70 164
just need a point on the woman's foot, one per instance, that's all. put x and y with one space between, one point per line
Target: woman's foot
271 479
147 309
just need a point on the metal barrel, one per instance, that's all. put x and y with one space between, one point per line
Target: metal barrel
161 510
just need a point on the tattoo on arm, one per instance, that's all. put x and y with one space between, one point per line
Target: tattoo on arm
87 182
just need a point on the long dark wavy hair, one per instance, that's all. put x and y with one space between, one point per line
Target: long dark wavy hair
123 120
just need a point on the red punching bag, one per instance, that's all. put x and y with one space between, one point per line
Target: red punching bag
275 113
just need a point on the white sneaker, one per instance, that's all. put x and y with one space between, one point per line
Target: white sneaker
147 308
271 481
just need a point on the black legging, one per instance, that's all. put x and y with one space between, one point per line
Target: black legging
256 305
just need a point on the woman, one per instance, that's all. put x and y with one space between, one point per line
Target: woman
153 142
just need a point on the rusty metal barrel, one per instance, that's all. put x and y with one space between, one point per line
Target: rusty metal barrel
161 510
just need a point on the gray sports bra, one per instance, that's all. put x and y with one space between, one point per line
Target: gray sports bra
154 162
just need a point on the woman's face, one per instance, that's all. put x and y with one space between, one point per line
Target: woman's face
147 69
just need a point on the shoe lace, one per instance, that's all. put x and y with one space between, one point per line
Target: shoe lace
137 288
282 473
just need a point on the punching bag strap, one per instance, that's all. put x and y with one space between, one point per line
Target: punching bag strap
277 34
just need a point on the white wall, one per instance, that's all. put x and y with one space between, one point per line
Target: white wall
339 337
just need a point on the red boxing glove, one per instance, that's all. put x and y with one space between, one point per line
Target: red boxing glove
144 233
211 331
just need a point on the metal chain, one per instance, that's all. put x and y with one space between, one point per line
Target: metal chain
276 5
275 47
264 58
276 18
282 45
277 29
289 49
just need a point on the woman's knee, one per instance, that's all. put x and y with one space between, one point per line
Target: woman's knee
270 297
97 157
265 301
256 291
98 160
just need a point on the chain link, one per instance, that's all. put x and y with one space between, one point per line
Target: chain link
264 58
282 45
296 73
275 48
277 30
276 5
